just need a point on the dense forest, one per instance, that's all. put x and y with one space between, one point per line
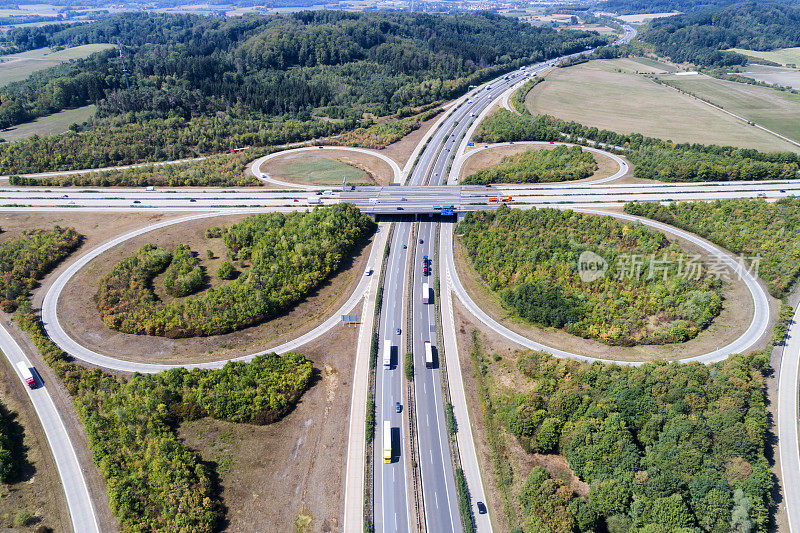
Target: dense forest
289 254
203 84
652 158
531 258
753 228
663 447
24 260
562 163
154 482
703 37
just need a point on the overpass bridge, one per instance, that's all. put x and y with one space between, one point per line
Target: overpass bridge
422 200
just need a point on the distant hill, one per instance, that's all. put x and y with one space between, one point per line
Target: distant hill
702 37
630 7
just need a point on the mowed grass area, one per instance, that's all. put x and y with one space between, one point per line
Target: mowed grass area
784 56
17 67
773 109
50 125
312 170
595 94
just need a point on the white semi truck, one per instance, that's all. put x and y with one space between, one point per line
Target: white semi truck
387 353
387 442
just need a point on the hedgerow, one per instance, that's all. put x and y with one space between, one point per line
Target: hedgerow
291 255
651 158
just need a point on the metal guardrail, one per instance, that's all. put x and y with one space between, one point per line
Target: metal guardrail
419 501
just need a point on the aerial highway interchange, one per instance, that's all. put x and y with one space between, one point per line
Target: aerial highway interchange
411 207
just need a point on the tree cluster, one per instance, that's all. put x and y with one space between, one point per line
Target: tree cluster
154 482
703 37
291 255
562 163
663 447
222 170
652 158
308 73
532 259
382 134
753 228
24 260
518 98
184 275
124 139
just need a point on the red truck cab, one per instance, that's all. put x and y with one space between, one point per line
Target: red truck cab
26 374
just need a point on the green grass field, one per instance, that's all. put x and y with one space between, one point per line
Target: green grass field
49 125
776 110
323 171
17 67
784 56
595 95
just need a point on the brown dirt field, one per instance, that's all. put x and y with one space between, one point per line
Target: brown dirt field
401 150
81 319
504 372
38 489
734 319
289 475
379 171
492 157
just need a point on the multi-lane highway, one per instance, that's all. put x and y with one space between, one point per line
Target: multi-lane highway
392 511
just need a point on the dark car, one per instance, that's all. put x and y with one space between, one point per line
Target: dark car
404 247
398 331
420 241
481 508
397 407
